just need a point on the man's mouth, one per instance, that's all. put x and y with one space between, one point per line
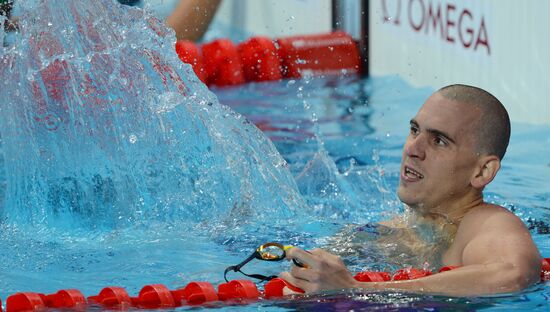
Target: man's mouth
412 174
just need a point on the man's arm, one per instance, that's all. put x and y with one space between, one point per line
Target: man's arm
503 258
191 18
492 264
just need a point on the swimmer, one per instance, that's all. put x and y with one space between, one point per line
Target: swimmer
188 18
454 149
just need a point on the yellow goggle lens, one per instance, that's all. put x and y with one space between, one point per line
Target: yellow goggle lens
272 251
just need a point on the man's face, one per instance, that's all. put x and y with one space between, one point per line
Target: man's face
439 155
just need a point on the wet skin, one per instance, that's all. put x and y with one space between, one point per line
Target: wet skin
440 158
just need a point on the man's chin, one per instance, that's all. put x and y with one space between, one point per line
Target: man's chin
401 193
405 197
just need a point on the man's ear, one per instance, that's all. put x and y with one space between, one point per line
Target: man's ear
486 171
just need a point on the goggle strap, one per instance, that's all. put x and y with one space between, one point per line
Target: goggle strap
231 268
236 268
260 277
245 261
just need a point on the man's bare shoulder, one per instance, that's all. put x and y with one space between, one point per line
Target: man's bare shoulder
488 220
491 232
489 217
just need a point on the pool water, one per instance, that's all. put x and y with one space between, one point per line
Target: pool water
340 137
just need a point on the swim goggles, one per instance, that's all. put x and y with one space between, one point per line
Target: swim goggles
267 252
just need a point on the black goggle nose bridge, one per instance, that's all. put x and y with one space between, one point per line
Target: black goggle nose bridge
266 252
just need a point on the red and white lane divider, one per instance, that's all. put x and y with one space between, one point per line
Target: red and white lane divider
158 296
222 63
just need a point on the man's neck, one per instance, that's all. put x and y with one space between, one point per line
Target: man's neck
453 210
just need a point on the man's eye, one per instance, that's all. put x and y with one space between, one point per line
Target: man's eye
414 130
439 141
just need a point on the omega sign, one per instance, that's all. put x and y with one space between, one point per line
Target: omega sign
456 26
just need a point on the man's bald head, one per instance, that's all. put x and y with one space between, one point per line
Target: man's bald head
492 130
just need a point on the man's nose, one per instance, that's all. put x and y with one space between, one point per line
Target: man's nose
416 147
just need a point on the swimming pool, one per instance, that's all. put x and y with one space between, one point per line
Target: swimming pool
341 139
346 164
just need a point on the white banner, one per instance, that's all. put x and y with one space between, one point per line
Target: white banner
502 46
276 18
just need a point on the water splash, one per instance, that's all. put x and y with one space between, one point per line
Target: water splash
104 127
2 21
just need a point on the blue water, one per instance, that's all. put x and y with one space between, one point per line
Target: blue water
143 181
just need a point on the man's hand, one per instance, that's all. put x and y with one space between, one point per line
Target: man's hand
322 271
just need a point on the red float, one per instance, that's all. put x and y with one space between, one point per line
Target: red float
111 297
260 59
222 63
189 53
155 296
448 268
66 298
238 289
24 301
409 274
199 293
325 54
545 270
274 288
373 276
